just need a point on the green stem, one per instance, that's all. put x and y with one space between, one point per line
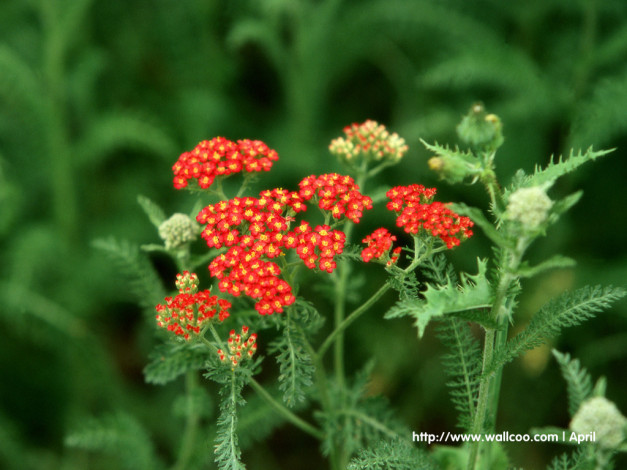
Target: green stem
283 411
191 426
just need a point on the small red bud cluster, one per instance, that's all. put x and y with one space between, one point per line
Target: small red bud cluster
415 210
241 347
186 314
221 157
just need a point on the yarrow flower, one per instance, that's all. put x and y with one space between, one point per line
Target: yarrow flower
379 244
599 415
186 314
241 347
178 230
221 157
335 193
371 140
415 211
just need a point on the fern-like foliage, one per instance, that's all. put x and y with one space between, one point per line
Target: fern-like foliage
358 421
575 461
474 292
120 435
153 211
294 359
578 381
169 361
463 365
407 285
392 455
143 280
569 309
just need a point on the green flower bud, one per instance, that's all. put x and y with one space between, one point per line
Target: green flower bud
178 230
479 129
599 415
529 206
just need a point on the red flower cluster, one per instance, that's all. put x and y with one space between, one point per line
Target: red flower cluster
336 193
240 348
256 230
185 314
221 157
379 243
415 211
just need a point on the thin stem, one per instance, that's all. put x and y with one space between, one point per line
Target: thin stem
286 413
191 425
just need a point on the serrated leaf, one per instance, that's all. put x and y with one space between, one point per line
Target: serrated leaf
555 262
554 170
169 361
569 309
473 292
446 151
392 455
153 211
226 449
578 381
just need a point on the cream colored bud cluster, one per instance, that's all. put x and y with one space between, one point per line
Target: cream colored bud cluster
178 230
599 415
371 141
241 347
529 206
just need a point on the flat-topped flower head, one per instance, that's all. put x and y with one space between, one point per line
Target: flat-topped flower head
601 416
240 347
186 314
337 194
529 206
379 245
415 211
178 230
221 157
370 141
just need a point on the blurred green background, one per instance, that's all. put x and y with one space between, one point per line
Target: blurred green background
98 99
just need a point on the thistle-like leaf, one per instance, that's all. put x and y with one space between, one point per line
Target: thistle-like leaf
569 309
562 167
578 381
473 292
392 455
120 435
446 151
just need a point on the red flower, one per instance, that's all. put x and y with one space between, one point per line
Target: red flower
221 157
185 314
415 211
379 243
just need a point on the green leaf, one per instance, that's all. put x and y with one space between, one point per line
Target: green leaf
480 220
153 211
392 455
473 292
578 381
169 361
569 309
227 452
462 364
446 151
295 362
120 435
577 460
554 170
555 262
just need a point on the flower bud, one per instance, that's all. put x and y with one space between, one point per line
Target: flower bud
178 230
599 415
529 206
480 129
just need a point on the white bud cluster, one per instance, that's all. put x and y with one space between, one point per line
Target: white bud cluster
529 206
178 230
599 415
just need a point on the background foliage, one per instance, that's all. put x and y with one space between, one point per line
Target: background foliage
98 99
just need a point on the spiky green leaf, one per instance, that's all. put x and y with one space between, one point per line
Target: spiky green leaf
578 381
473 292
562 167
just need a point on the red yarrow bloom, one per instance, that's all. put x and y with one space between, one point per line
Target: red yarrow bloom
221 157
379 244
415 211
187 313
335 193
241 347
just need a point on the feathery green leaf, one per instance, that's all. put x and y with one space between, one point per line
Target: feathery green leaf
392 455
578 381
169 361
152 210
